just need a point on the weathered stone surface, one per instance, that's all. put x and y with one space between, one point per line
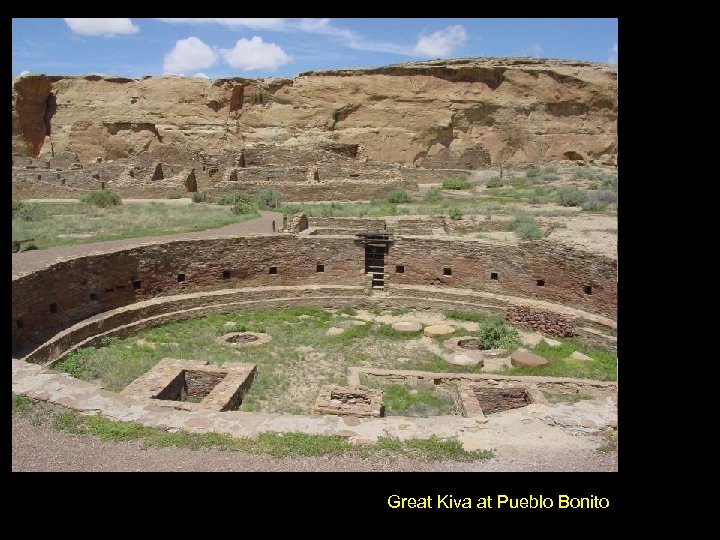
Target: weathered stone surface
334 331
438 330
552 342
356 401
527 359
541 320
407 327
577 355
458 113
461 359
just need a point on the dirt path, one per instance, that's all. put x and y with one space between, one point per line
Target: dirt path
46 449
28 261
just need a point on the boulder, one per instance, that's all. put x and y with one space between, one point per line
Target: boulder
552 342
527 359
577 355
461 359
407 327
438 330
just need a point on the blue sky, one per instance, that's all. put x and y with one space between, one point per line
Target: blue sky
285 47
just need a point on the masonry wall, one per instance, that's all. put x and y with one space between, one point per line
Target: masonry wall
82 287
120 278
565 271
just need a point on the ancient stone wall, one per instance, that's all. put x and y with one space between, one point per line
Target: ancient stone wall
541 320
46 301
538 269
366 224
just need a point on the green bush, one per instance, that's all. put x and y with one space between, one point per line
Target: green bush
455 213
495 182
198 197
243 204
433 195
24 211
174 194
571 196
456 183
398 195
102 198
495 334
526 228
532 173
550 169
268 199
30 247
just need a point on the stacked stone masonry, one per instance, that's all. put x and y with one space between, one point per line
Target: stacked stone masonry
85 286
540 320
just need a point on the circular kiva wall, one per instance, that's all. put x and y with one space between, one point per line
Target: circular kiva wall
76 301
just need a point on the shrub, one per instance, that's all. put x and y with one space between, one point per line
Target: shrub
102 198
268 199
198 197
571 196
398 195
593 186
495 182
24 211
433 195
30 247
599 200
456 183
551 178
550 169
174 194
455 213
610 182
526 228
532 173
243 204
495 334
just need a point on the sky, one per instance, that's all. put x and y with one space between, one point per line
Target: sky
276 47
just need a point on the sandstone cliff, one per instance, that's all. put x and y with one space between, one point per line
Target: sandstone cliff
463 113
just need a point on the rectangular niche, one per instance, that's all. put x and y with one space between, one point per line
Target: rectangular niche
181 278
447 271
494 276
400 269
226 274
136 285
540 282
193 385
320 268
273 270
588 289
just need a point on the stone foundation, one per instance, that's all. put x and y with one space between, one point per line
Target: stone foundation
355 401
540 320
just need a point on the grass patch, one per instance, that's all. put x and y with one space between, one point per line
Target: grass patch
398 195
59 224
402 400
603 365
456 183
102 198
278 445
466 315
526 228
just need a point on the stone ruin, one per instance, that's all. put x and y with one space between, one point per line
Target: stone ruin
355 401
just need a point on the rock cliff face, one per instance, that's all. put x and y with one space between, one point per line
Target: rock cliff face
463 113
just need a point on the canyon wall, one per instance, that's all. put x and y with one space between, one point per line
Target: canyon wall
461 114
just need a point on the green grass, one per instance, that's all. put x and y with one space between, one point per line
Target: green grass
102 198
278 445
456 183
526 228
291 367
57 222
603 365
466 315
402 400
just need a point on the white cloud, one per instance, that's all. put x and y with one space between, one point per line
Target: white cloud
257 24
441 43
534 50
102 27
188 55
201 75
613 58
249 54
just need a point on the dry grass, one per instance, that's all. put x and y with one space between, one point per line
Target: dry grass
78 223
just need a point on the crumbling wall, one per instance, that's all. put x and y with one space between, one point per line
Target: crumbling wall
541 320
